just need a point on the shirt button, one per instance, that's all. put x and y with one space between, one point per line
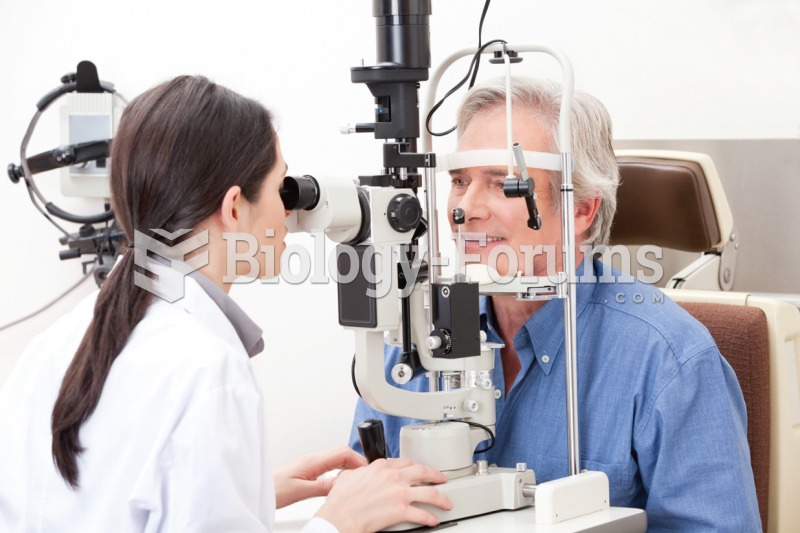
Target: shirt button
545 359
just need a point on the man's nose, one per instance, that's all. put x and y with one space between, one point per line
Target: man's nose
474 203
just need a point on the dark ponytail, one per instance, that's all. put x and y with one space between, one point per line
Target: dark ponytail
119 307
178 149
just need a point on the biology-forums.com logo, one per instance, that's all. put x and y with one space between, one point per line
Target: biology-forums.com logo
163 265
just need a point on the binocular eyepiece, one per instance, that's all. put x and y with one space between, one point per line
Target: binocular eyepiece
340 208
300 193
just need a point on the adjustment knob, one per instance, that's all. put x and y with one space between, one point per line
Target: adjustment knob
373 440
404 213
14 172
87 230
433 342
402 373
440 339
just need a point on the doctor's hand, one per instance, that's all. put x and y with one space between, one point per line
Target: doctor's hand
380 495
300 479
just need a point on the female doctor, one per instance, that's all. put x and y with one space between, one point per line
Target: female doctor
132 413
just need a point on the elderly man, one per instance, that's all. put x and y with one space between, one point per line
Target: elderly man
661 411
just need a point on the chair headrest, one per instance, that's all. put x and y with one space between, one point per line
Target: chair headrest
670 199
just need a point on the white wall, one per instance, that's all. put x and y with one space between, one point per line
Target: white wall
682 69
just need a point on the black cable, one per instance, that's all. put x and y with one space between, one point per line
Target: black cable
472 74
487 430
42 211
353 376
475 60
480 40
49 304
480 24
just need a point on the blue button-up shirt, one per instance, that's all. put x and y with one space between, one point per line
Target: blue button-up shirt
661 411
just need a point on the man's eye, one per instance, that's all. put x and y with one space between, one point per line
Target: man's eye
459 182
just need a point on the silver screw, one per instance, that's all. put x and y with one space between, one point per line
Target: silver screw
484 383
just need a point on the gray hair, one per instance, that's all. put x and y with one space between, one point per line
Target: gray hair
595 171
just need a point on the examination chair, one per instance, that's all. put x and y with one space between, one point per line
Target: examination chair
760 338
676 200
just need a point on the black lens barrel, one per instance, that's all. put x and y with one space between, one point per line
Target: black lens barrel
300 192
403 32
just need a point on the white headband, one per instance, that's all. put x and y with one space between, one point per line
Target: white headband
491 158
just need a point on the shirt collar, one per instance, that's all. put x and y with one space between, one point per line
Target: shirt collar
247 330
543 333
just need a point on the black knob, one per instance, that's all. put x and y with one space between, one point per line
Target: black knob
514 188
458 215
71 253
87 230
404 213
14 172
370 432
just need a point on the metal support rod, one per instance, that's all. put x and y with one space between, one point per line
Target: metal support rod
434 378
529 490
433 227
433 255
570 318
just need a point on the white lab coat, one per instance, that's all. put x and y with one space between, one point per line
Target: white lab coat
176 443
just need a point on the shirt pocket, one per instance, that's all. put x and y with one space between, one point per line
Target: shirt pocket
624 485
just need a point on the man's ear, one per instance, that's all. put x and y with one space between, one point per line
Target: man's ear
231 209
585 214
